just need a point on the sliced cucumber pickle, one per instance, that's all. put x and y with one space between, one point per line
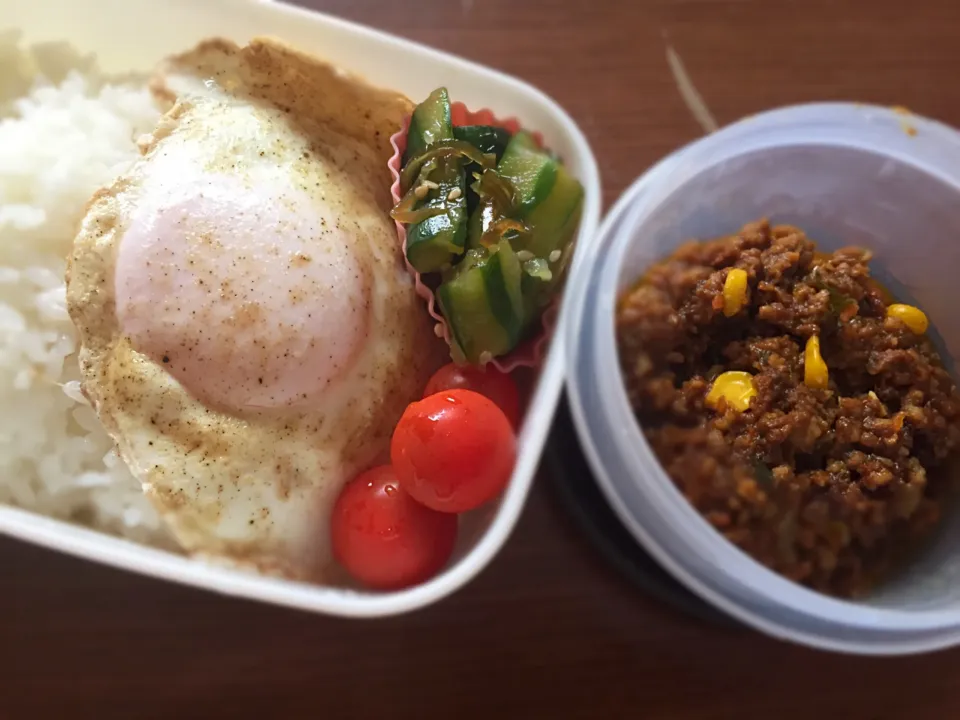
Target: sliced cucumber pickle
531 171
483 305
436 242
493 214
429 124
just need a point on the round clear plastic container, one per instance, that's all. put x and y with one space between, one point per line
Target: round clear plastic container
848 175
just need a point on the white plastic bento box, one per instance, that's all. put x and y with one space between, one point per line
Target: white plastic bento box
131 35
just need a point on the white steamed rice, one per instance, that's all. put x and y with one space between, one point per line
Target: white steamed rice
64 131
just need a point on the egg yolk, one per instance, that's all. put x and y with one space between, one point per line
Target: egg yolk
249 297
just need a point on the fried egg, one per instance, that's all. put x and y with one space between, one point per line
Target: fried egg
249 334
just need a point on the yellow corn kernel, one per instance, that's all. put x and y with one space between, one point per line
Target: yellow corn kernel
815 373
735 387
734 292
913 318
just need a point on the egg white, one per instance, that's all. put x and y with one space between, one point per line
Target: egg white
249 478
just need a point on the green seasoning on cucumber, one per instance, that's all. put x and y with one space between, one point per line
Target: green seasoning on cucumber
429 124
495 207
486 138
436 241
482 305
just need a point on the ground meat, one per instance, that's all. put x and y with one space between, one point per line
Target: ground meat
830 487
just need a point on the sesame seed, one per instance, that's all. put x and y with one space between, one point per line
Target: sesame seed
421 191
524 255
485 357
438 330
554 256
453 194
431 184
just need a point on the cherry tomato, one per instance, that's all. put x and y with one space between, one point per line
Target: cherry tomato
453 451
489 382
384 538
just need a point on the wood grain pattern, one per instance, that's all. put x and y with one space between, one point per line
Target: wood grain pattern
547 630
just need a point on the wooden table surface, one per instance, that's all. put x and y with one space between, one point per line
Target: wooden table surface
547 630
